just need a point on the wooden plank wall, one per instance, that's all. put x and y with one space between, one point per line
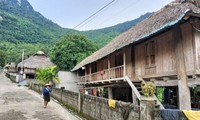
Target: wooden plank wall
164 56
165 53
139 61
197 48
188 46
130 70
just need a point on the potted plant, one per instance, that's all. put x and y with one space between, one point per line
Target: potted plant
148 89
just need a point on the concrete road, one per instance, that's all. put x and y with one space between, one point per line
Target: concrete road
20 103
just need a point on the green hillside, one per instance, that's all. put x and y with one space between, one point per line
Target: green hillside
20 23
103 36
23 28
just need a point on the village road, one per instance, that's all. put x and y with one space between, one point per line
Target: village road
20 103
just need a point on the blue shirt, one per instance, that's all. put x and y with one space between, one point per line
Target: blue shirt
46 91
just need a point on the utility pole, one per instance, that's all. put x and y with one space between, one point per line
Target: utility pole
22 64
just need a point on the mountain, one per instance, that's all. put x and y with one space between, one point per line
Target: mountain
103 36
20 23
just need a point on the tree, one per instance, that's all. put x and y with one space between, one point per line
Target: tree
2 58
70 50
46 75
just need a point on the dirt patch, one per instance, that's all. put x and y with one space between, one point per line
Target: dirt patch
12 115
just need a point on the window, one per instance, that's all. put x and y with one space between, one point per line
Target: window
149 53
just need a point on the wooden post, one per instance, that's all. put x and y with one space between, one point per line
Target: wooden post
124 60
90 72
108 67
184 93
85 75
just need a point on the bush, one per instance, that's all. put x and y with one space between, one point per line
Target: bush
148 89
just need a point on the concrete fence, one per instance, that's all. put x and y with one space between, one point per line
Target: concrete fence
11 76
94 107
98 109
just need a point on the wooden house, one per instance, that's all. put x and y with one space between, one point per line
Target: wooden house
34 62
163 49
10 67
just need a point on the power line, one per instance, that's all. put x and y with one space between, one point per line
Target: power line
117 14
95 13
95 16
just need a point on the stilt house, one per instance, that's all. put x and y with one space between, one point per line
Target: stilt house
163 49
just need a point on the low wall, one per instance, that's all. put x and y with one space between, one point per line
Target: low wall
98 108
94 107
11 76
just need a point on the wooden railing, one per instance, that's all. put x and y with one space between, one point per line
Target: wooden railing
115 72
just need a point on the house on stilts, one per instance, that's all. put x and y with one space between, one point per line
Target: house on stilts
163 49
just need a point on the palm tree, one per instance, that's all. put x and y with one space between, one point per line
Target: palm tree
47 75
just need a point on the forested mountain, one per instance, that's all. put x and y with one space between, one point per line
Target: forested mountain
20 23
103 36
21 27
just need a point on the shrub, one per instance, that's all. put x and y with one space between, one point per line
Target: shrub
148 89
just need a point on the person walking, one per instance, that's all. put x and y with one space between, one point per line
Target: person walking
46 94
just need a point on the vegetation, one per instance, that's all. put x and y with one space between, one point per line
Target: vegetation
11 52
23 28
195 94
2 58
70 50
148 89
46 75
160 94
20 23
102 36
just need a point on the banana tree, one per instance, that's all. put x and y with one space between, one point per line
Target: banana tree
47 75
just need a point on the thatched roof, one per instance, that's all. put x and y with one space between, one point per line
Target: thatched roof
159 21
38 60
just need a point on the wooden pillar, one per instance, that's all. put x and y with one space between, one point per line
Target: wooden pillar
110 93
108 67
85 75
90 70
184 93
124 60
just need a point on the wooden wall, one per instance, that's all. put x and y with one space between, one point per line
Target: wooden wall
130 69
197 48
188 46
139 61
165 54
165 59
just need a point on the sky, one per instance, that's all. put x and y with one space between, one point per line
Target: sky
69 13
